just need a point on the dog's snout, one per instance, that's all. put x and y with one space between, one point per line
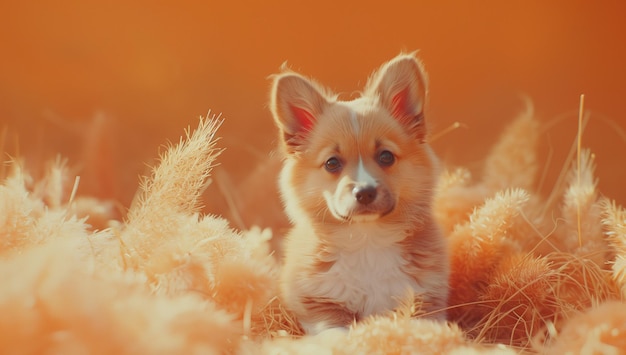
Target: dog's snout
365 194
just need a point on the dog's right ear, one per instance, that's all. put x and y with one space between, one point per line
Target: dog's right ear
296 104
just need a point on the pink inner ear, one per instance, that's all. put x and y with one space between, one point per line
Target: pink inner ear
399 104
305 118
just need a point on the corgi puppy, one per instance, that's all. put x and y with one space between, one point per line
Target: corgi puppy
357 184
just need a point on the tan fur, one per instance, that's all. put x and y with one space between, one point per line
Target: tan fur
344 259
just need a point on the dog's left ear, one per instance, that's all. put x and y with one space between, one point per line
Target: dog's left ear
401 86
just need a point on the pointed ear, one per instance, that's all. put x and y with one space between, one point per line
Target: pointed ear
296 104
401 86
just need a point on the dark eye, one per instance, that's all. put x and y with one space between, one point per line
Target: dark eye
332 165
386 158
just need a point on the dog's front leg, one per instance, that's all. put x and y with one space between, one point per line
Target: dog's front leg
322 314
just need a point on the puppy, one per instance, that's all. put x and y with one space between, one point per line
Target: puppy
357 184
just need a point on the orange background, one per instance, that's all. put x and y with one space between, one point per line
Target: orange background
106 83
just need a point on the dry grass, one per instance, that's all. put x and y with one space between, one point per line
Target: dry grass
171 280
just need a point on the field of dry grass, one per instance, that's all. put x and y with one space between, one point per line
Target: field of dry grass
530 273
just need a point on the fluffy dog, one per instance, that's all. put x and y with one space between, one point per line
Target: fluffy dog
357 184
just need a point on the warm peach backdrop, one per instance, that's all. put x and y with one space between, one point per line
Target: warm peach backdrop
105 82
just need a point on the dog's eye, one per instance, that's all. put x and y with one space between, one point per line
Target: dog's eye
332 165
386 158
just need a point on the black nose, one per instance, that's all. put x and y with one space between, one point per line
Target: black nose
364 195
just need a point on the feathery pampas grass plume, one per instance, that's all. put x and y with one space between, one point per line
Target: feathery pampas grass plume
513 159
615 224
477 248
26 220
527 274
581 211
175 186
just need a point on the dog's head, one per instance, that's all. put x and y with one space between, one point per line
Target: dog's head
359 160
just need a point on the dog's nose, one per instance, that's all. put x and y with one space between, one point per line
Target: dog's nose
365 194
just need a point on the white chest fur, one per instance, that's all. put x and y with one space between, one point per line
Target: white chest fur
367 276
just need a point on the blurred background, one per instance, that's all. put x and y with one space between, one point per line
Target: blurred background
108 83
